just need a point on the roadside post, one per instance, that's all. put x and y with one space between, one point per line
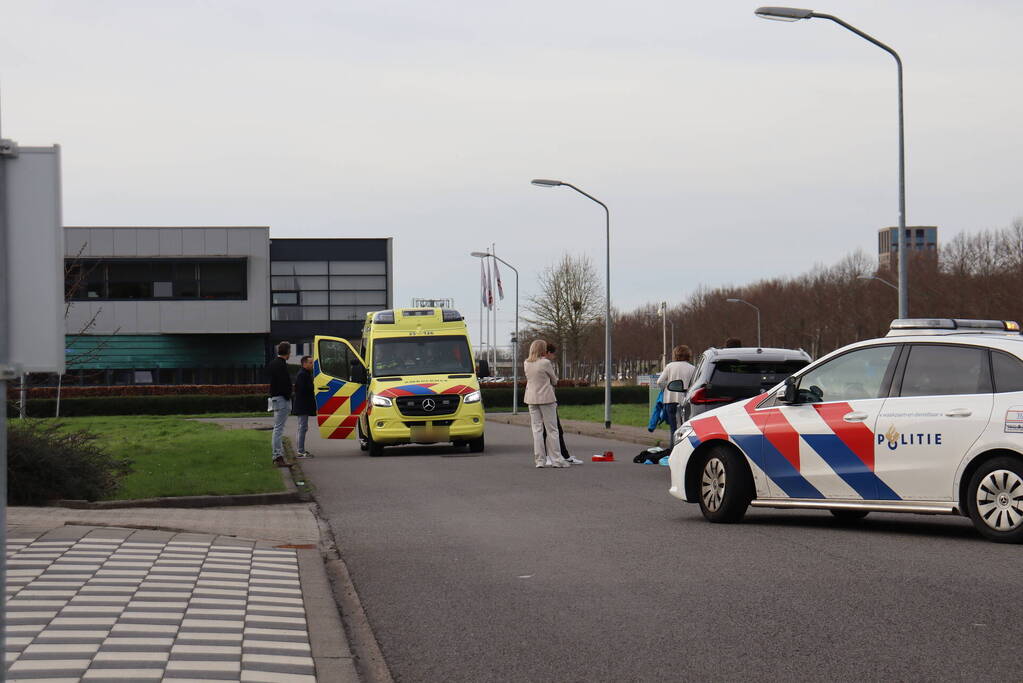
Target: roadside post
31 286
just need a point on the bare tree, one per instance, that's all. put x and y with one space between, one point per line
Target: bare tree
568 306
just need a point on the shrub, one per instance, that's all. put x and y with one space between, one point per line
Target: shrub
45 462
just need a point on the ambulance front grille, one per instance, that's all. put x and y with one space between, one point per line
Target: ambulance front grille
443 404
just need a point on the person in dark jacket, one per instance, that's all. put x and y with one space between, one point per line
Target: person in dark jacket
552 356
305 402
280 399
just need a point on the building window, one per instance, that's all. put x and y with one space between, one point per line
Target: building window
152 279
322 290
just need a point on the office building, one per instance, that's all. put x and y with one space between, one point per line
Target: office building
922 239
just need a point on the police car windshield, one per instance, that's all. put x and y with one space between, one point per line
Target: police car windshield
421 356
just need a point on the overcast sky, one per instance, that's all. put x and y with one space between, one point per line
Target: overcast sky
729 148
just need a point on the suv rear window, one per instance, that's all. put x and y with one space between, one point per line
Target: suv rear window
743 379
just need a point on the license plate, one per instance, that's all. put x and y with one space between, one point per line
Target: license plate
430 434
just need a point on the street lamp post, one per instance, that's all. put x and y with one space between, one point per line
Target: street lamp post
879 279
743 301
542 182
664 333
794 14
515 343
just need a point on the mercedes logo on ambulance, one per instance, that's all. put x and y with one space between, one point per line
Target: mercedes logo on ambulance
429 405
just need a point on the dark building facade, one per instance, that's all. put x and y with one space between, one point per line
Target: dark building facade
326 286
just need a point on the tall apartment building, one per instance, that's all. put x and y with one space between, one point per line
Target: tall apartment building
921 238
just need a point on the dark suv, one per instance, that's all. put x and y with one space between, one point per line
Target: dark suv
723 376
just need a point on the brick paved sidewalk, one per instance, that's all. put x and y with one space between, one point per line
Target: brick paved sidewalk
112 604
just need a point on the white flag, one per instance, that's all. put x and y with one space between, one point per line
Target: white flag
488 300
500 285
483 284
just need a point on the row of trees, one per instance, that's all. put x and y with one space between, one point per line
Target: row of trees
973 276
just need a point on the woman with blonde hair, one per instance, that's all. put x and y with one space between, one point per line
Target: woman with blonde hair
543 406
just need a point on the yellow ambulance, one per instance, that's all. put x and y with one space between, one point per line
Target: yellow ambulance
412 380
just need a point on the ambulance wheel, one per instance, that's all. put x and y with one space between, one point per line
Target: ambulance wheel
994 499
363 445
475 445
725 484
375 448
849 515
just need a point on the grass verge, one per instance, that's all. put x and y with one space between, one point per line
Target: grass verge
632 414
175 456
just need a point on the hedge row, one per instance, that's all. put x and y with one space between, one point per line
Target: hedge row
522 383
182 404
142 390
192 404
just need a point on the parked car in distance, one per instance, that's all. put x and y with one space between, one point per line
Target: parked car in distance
724 376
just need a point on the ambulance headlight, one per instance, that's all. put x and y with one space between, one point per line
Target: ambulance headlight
382 401
474 397
683 432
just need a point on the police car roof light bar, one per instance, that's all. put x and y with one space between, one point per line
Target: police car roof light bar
959 324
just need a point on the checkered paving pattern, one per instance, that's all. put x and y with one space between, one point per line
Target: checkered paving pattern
144 606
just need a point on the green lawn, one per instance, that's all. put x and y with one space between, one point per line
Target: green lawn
634 414
175 456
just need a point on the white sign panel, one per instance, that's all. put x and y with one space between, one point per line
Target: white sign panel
35 260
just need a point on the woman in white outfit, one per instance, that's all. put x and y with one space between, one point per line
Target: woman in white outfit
543 406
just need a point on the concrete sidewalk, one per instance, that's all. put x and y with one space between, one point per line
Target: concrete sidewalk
638 435
171 594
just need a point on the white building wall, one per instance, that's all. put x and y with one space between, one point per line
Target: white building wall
175 317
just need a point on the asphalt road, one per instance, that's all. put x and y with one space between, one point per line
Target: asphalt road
483 568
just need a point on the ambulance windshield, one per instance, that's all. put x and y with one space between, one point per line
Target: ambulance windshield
421 356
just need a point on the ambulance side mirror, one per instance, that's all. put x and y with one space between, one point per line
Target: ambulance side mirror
482 369
790 394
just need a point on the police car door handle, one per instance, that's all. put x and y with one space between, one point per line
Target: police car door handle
959 412
855 416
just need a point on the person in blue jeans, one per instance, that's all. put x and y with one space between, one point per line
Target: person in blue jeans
305 403
280 399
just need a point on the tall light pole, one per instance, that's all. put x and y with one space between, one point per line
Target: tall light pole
515 342
541 182
664 334
794 14
743 301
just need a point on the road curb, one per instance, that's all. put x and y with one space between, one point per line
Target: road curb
636 435
369 659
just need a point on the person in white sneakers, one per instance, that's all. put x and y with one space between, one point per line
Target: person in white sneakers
543 406
552 355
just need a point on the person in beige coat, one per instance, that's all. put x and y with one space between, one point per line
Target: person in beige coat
543 406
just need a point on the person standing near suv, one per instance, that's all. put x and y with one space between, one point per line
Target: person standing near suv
280 399
681 368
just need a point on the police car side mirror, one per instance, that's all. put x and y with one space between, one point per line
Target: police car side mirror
790 394
677 385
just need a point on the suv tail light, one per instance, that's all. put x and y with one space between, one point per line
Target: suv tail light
700 397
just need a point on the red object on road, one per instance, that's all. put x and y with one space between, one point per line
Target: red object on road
608 456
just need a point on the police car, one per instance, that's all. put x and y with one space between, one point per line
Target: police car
928 419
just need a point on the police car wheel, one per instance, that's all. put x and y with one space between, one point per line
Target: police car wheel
995 500
725 485
849 515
